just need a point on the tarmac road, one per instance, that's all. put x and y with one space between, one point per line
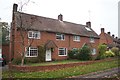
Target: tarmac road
101 74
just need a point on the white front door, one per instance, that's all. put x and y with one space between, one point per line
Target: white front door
48 55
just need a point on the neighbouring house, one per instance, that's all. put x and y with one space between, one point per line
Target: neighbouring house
56 35
108 39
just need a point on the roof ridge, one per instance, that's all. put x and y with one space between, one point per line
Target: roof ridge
48 18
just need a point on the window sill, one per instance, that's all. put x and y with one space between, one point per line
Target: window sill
76 41
31 56
62 55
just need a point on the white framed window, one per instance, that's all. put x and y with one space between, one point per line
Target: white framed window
60 36
93 51
92 40
62 51
34 34
32 52
76 38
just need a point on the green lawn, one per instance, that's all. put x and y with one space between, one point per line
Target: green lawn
54 62
67 72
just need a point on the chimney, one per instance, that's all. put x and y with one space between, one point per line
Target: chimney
60 17
15 7
109 33
102 30
88 24
113 35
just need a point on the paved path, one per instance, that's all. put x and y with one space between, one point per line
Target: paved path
101 74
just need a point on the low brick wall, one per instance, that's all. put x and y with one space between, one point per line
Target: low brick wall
50 67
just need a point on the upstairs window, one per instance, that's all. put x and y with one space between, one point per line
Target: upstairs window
92 40
34 34
76 38
60 36
32 52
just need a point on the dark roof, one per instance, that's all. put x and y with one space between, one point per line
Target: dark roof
53 25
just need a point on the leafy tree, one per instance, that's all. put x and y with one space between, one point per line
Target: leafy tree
4 35
102 49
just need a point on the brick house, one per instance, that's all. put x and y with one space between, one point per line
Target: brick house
56 35
108 39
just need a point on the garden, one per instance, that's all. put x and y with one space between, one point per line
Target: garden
82 55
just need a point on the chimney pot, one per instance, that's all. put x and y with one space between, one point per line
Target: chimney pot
109 33
88 24
102 30
113 35
60 17
15 7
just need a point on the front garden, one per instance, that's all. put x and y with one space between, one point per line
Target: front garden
106 59
66 72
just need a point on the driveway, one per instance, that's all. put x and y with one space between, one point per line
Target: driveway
101 74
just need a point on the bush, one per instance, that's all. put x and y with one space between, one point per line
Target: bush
102 49
72 54
115 50
85 53
17 61
109 54
41 54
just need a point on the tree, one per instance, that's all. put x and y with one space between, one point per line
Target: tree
5 32
22 27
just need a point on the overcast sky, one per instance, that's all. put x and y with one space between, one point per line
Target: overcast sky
101 13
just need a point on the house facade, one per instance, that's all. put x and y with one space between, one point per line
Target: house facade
108 39
56 35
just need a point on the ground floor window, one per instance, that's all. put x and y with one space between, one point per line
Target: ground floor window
62 51
93 51
32 52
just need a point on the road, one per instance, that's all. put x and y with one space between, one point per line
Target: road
101 74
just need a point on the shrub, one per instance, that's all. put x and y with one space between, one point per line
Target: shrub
102 49
115 50
41 54
85 53
17 61
72 54
109 54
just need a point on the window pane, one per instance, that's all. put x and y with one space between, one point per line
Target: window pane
32 52
30 34
62 51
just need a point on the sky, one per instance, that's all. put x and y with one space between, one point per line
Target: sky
101 13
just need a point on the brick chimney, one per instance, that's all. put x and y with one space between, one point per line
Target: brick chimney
15 7
88 24
108 33
60 17
102 30
113 35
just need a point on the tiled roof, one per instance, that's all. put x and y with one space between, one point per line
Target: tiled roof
53 25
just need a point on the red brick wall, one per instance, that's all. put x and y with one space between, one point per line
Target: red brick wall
105 38
52 67
67 43
5 51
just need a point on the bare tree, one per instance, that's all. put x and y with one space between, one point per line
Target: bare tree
23 27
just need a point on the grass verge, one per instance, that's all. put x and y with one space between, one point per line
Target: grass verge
67 72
